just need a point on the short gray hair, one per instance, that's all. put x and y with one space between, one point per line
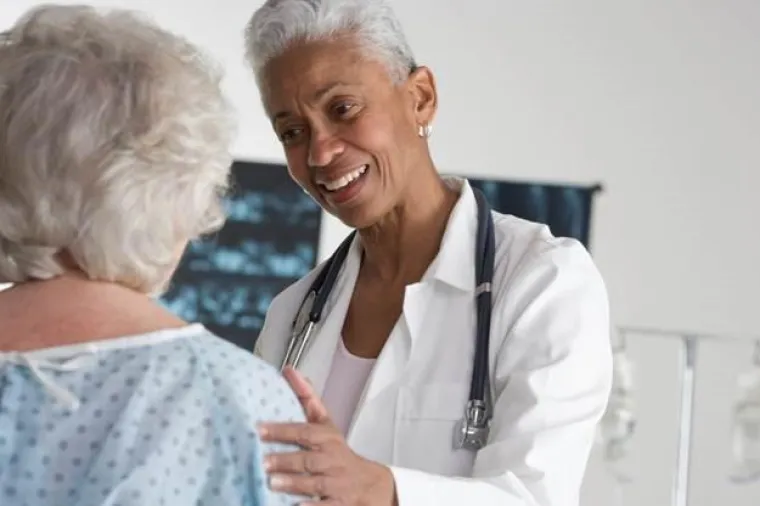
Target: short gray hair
114 146
278 24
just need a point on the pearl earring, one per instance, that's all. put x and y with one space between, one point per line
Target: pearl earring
425 131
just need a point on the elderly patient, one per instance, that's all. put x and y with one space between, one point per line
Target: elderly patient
114 143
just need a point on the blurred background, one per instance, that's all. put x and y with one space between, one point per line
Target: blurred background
657 102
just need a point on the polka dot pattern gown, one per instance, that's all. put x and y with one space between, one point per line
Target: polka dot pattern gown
167 418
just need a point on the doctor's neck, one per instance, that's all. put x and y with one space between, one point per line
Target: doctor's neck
403 244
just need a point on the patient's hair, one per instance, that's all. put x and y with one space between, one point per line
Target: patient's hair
114 146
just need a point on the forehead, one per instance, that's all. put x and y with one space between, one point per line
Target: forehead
305 71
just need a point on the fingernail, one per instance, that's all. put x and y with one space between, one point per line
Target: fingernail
279 481
268 464
263 431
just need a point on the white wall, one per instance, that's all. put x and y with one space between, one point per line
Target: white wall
658 100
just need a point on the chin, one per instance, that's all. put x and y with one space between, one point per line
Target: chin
357 218
365 209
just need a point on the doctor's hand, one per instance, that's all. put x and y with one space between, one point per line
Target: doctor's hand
326 468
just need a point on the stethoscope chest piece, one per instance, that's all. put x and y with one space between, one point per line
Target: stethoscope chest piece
472 430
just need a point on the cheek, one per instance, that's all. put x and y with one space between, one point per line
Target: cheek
386 140
298 171
378 137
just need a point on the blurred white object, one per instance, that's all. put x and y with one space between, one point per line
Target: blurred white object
746 442
746 430
619 421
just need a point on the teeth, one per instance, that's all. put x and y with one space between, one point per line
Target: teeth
345 180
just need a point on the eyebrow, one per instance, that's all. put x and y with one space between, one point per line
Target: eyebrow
321 92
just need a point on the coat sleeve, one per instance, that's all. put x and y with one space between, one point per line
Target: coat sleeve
549 402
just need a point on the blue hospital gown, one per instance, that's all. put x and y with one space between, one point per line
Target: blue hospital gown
167 418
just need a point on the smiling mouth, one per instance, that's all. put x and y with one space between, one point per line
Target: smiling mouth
345 181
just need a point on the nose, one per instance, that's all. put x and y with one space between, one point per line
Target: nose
324 147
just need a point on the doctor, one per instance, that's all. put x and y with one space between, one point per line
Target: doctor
387 371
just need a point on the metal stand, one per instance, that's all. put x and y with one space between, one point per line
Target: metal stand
686 420
690 340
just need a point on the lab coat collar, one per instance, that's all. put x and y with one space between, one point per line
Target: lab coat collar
454 264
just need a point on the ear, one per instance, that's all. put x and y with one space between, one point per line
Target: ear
421 85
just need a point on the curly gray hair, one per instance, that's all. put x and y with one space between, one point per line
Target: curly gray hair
114 146
278 24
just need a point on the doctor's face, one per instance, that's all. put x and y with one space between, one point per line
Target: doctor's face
350 134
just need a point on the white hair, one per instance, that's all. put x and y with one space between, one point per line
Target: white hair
278 24
114 147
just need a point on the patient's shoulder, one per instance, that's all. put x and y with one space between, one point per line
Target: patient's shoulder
247 391
246 383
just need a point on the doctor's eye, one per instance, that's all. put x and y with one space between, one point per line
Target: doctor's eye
290 135
344 109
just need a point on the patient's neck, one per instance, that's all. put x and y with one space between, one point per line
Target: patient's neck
71 309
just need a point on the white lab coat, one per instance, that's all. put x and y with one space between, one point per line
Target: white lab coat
550 364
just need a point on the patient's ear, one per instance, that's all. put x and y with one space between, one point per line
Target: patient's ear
67 262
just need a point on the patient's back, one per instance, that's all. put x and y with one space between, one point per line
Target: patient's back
168 418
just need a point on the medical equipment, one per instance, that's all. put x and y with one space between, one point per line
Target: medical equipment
746 426
746 413
680 492
472 431
618 424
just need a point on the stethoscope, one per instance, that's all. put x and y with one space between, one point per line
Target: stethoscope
472 431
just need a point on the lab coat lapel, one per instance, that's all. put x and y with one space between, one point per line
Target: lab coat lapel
397 350
319 356
363 432
417 301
